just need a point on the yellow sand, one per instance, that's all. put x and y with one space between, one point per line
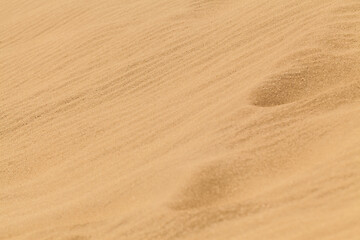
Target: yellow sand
179 119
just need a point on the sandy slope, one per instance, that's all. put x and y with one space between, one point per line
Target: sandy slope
179 119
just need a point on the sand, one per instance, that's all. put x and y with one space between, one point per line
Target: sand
179 119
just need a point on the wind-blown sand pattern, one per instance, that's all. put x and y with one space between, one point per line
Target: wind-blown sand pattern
179 119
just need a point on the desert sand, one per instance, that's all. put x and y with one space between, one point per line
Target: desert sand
179 119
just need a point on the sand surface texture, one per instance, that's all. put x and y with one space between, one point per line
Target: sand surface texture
179 119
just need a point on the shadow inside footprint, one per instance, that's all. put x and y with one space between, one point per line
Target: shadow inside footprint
316 74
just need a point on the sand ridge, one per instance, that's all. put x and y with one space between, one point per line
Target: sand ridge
194 119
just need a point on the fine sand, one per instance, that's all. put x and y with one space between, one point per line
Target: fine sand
179 119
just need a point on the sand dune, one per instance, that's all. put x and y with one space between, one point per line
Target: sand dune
192 119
